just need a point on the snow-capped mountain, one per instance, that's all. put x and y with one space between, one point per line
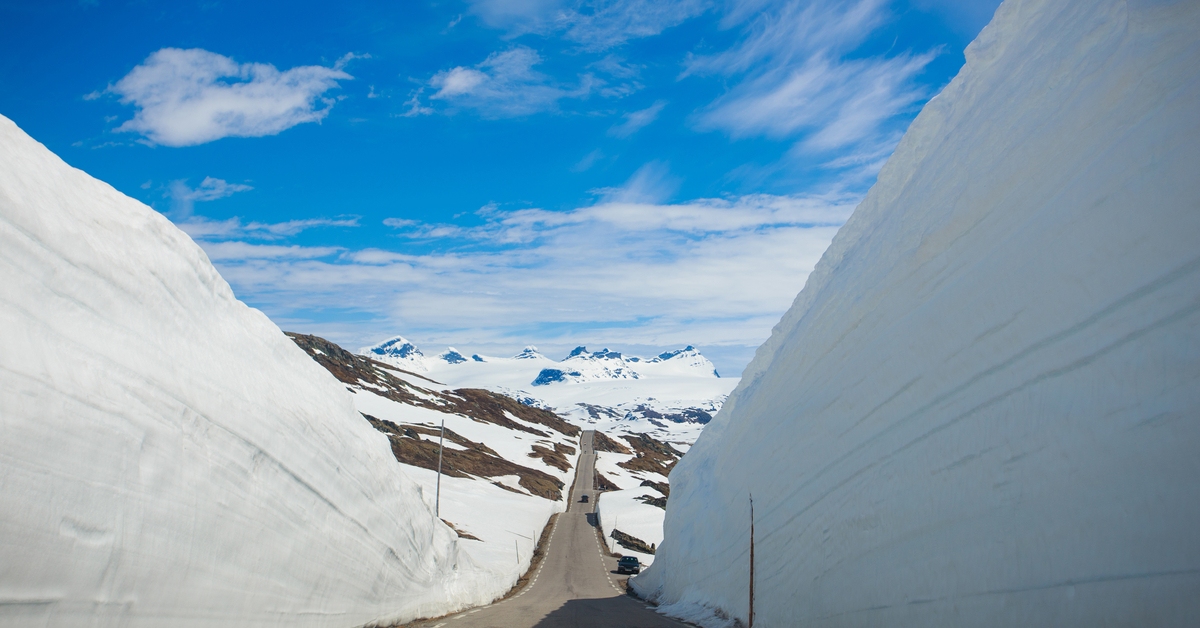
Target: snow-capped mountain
983 409
399 352
236 486
672 394
647 412
506 464
582 366
529 353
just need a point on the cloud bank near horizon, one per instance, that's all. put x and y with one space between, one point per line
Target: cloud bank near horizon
710 272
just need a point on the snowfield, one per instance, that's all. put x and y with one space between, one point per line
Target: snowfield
670 397
167 456
983 409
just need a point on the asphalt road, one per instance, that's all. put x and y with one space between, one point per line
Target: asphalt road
576 586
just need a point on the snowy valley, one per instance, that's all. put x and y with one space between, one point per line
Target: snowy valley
647 412
981 410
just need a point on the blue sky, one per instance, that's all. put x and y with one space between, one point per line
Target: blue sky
492 173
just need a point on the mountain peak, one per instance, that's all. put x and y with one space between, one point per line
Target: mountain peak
452 356
397 351
528 353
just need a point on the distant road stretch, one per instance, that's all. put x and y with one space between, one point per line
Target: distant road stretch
576 585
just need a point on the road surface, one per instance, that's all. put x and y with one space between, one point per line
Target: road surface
576 586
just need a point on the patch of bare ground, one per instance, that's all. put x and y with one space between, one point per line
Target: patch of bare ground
599 412
556 458
604 484
601 442
460 533
477 460
632 543
650 455
660 502
661 487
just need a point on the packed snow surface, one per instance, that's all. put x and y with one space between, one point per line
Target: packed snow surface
167 456
984 407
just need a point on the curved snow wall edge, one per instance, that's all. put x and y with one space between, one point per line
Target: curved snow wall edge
167 455
983 407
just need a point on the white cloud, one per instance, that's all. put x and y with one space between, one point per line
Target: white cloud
636 120
201 228
710 271
588 161
188 97
796 82
183 198
606 24
594 25
506 85
652 183
241 251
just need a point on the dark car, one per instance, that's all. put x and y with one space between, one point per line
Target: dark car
629 564
584 499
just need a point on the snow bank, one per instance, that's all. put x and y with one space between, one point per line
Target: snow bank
167 456
984 407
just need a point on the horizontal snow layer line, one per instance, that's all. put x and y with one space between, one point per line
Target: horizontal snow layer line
169 456
981 408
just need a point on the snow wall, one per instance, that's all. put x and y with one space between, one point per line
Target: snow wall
984 407
167 456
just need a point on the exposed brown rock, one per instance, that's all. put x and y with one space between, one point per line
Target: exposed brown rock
604 484
554 458
630 542
409 448
361 372
650 455
601 442
661 487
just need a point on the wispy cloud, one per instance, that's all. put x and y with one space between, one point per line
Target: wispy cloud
243 251
588 161
505 85
716 271
201 228
184 198
795 80
636 120
652 183
602 25
188 97
593 25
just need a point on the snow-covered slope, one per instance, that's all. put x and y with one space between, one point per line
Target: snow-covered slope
984 407
167 455
671 396
506 467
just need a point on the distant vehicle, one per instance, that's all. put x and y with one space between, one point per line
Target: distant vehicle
629 564
584 500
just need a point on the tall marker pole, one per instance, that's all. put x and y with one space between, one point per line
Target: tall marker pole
751 560
437 499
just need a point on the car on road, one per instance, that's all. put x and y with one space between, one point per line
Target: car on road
629 564
584 499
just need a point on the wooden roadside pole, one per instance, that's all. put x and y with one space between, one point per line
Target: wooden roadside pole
751 560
